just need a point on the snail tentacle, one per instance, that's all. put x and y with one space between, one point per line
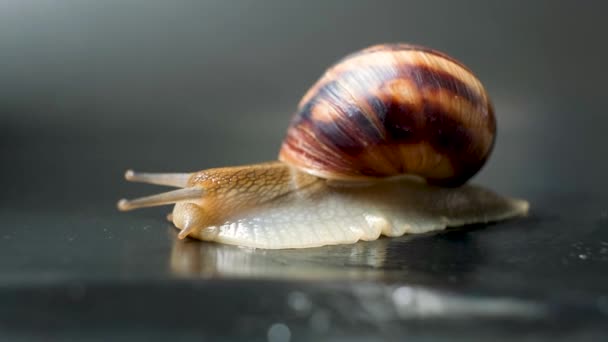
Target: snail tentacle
178 180
164 198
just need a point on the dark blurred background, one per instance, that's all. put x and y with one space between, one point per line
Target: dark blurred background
91 88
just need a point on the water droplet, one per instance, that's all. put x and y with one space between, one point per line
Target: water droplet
428 303
279 332
299 302
403 296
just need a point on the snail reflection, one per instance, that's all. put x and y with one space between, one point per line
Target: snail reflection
193 258
383 130
413 257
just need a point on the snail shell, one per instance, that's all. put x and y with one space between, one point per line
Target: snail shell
390 110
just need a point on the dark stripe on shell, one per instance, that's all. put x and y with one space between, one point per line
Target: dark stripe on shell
422 75
401 123
404 125
313 160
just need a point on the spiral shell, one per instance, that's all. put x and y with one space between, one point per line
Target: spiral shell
390 110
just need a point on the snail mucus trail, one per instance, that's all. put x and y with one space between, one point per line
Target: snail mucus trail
382 144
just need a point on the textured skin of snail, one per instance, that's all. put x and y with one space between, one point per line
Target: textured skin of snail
390 110
382 144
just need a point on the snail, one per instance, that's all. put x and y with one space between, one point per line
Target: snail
382 144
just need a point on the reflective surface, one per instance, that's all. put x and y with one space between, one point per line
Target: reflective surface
92 89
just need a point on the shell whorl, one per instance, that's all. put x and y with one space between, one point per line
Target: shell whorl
390 110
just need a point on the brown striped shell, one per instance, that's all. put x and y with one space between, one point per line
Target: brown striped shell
390 110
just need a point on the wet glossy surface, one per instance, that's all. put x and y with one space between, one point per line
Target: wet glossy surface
543 275
88 93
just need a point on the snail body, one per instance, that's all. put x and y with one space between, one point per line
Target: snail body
381 145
